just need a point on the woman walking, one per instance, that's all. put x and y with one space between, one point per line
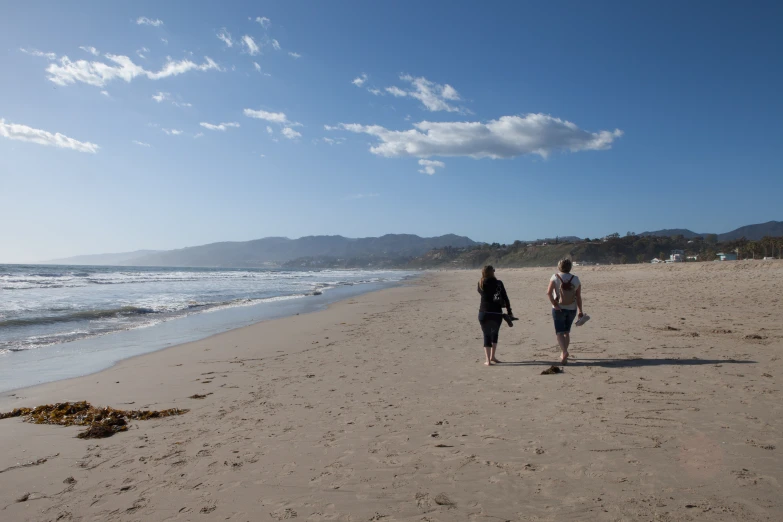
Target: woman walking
565 294
493 299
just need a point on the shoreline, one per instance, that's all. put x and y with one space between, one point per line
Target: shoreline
380 406
235 318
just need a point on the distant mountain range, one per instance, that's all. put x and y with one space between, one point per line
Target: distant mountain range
751 232
120 259
274 251
388 250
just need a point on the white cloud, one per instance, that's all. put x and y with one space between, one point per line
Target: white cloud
92 50
269 130
251 45
262 155
165 96
396 91
432 95
264 21
430 166
140 52
15 131
165 41
294 55
506 137
99 73
333 141
199 135
143 20
274 117
376 92
36 52
106 93
275 45
172 132
359 80
219 126
175 68
362 196
141 143
290 133
225 37
258 67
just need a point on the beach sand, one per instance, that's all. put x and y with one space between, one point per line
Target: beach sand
380 408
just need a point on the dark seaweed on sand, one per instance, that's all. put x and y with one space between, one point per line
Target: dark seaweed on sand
100 422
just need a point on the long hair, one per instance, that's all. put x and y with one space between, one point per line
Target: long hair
488 272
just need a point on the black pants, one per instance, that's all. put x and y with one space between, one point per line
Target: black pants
490 326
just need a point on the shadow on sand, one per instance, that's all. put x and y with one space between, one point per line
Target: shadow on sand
628 363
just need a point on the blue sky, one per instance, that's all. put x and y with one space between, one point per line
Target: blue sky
505 121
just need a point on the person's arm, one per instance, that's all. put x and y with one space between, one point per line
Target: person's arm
549 290
507 302
579 300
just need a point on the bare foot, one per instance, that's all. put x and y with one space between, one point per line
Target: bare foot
488 363
564 358
495 361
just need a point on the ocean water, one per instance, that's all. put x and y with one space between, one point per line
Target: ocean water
62 321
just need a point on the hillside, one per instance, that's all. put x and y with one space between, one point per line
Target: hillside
620 250
280 250
754 232
750 232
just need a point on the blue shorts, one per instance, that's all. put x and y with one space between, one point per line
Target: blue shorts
563 320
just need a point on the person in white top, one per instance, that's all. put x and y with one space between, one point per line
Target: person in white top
565 295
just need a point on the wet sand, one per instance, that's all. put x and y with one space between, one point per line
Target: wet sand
380 408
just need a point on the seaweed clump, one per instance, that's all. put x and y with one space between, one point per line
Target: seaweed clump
101 422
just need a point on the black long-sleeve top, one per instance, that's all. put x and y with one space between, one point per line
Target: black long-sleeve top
492 288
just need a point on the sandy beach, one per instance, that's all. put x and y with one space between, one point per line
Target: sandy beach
379 408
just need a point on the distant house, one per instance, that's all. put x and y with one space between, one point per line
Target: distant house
731 256
693 258
676 256
655 261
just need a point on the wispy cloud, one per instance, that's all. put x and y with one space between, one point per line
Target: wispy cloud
219 126
172 132
264 21
199 135
360 80
225 37
362 196
433 96
294 55
274 117
142 53
269 130
36 52
250 45
15 131
275 45
99 73
333 141
106 93
161 96
141 143
143 20
89 49
257 67
506 137
290 133
429 166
